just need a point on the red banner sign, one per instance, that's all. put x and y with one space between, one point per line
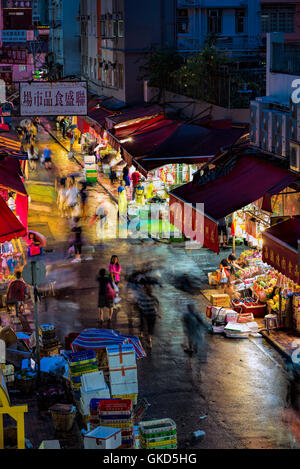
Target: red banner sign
281 257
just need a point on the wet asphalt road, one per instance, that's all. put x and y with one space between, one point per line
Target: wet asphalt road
241 385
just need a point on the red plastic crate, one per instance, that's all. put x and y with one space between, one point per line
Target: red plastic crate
106 405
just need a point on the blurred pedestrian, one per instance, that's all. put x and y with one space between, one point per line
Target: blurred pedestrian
193 329
101 218
77 230
106 294
61 196
83 200
148 307
122 200
47 157
33 156
72 196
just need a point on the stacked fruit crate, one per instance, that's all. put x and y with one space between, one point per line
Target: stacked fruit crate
118 413
79 364
158 434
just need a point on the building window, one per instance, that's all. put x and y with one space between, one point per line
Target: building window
22 68
214 18
114 28
121 28
103 28
240 21
182 21
279 19
121 76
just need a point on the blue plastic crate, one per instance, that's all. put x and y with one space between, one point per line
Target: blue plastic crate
82 356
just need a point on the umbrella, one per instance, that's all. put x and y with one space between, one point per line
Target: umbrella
23 122
97 339
39 237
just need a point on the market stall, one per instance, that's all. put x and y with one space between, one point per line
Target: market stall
11 258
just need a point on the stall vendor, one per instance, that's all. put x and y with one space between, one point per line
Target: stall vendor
140 194
33 246
150 191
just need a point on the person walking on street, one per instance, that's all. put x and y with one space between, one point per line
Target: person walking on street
72 196
83 200
32 157
135 180
148 307
77 230
61 196
193 329
47 157
106 295
101 217
115 269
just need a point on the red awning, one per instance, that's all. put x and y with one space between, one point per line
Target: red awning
190 144
145 141
99 114
249 180
141 113
10 227
10 178
137 128
280 247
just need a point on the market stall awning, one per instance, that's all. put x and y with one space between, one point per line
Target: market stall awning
9 141
190 144
97 339
280 247
99 114
249 180
10 176
145 140
136 128
10 227
133 115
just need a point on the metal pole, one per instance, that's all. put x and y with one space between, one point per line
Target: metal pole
36 318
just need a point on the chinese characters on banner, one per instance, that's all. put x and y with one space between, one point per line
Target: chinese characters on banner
53 99
282 258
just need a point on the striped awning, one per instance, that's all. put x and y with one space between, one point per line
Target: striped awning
10 143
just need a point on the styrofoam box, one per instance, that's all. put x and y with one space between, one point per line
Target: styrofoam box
103 438
124 389
123 355
86 398
123 375
220 312
93 381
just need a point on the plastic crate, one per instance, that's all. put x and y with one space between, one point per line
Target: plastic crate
82 356
157 428
158 444
116 424
115 405
132 397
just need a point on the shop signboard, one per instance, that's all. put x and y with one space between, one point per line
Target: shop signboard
53 99
13 56
281 256
17 3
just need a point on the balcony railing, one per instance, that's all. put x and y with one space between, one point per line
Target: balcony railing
225 43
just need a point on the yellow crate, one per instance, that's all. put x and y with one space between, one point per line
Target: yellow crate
157 443
117 425
132 397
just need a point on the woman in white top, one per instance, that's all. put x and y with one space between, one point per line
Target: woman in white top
61 196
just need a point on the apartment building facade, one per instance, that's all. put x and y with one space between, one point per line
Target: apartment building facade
126 31
275 118
23 44
236 25
281 17
64 38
